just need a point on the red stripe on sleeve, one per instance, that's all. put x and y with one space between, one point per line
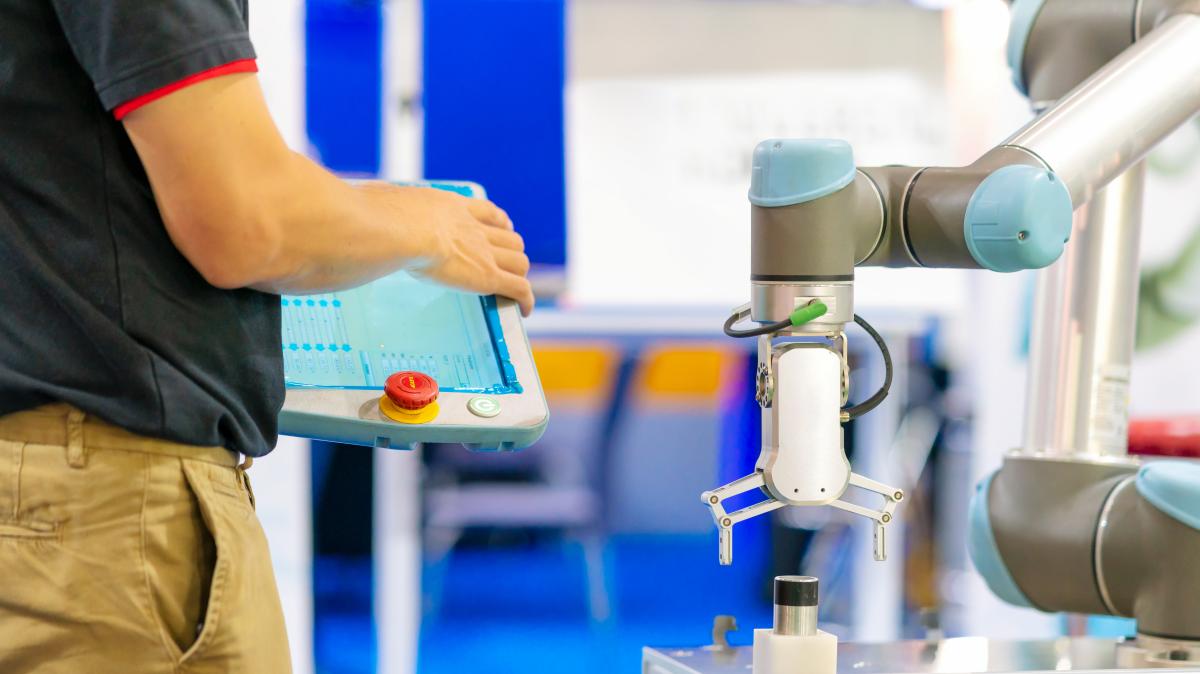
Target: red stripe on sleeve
240 66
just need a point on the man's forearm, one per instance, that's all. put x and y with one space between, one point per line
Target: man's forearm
246 211
330 234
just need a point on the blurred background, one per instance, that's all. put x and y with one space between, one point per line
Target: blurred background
618 134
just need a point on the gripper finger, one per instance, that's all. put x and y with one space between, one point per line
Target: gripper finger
725 521
890 493
725 525
738 486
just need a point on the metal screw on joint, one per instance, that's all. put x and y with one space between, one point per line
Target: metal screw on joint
886 518
899 496
714 500
726 522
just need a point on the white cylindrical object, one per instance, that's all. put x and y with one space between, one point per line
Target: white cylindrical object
397 542
782 654
796 599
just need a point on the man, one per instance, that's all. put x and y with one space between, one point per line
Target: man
148 211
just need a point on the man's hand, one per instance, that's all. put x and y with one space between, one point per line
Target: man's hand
248 212
475 247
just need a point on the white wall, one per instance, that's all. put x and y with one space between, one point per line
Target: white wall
667 99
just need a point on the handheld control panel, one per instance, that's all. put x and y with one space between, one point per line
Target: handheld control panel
402 360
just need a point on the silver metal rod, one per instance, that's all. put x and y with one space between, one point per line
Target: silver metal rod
796 621
1082 341
1112 120
796 599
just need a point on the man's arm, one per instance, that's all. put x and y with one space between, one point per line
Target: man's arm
246 211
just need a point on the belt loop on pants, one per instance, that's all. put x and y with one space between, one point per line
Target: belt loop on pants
76 453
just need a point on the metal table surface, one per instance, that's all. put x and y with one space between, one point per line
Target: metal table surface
968 655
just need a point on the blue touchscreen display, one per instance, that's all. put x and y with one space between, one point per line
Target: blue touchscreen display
356 338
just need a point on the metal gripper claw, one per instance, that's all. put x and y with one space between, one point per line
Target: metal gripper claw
715 498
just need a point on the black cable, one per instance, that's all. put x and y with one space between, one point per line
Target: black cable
755 332
879 396
855 411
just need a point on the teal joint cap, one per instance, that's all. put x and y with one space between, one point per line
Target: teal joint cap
1018 218
1024 15
981 544
1174 488
790 172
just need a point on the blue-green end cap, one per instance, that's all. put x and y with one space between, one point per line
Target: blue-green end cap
1024 15
1018 218
981 543
1174 488
790 172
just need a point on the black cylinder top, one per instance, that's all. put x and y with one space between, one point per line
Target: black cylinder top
795 591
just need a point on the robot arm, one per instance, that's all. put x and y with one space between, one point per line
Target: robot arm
815 216
802 388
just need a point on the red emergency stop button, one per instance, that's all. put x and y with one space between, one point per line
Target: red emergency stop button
410 397
411 390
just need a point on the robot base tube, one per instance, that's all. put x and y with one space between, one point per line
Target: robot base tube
1081 347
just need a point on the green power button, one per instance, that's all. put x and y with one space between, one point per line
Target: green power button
484 407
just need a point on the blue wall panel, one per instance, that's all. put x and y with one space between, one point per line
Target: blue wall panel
344 83
493 99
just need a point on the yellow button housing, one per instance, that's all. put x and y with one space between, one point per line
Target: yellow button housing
422 416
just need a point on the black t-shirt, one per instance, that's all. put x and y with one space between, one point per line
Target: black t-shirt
97 307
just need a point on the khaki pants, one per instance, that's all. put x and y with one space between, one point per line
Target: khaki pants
123 554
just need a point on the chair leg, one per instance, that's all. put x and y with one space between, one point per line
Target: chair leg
599 604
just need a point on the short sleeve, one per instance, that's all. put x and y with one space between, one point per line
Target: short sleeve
133 48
